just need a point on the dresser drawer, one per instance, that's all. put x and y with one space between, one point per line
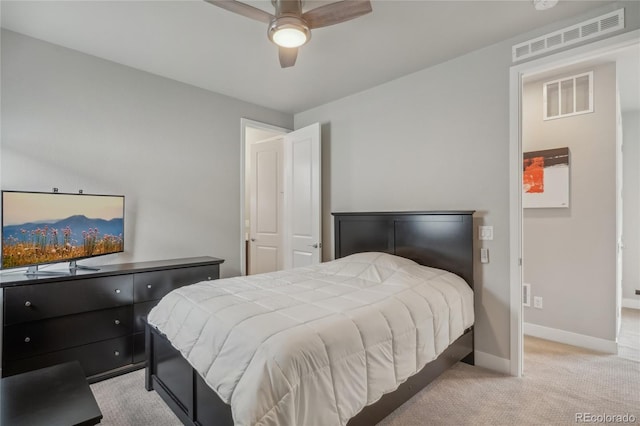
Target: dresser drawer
39 337
36 302
94 358
154 285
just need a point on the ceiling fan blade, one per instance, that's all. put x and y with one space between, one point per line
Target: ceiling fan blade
337 12
243 9
288 56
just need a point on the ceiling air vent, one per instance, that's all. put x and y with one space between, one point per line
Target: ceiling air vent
586 30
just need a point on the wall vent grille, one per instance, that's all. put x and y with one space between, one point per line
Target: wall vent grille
586 30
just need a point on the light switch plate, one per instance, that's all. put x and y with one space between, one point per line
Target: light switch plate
484 255
485 232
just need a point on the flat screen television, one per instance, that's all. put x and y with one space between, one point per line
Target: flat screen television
49 227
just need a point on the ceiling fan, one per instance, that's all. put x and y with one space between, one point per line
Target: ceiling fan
289 28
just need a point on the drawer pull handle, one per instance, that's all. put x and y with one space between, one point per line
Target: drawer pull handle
27 303
117 290
116 353
117 322
149 286
27 339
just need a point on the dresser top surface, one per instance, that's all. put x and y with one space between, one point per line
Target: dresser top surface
11 278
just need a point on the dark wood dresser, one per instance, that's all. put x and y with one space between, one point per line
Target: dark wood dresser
94 317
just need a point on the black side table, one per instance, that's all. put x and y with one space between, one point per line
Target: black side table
57 395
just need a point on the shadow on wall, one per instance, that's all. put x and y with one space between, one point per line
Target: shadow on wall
482 297
327 220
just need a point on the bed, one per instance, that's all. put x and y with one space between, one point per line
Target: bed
376 253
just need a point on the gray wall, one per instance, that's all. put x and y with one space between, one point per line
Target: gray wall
435 139
570 253
631 204
74 121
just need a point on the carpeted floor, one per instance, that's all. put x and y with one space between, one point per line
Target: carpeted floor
560 381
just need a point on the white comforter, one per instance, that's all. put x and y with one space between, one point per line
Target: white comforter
313 346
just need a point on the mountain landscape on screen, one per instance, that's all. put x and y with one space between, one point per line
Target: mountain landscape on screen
47 241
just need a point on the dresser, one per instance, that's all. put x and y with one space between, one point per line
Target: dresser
94 317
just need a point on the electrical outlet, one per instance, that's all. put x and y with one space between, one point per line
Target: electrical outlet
537 302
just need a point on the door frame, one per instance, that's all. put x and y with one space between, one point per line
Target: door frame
244 124
516 74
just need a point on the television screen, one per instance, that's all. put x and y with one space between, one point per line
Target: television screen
40 227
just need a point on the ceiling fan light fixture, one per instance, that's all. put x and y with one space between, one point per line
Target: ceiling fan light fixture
290 27
288 31
289 37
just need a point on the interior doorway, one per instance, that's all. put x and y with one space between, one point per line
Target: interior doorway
252 132
572 213
598 52
282 193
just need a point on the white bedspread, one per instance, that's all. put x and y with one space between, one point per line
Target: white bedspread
312 346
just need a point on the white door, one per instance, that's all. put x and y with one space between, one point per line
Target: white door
303 215
266 206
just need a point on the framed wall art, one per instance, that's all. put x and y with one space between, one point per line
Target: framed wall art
545 178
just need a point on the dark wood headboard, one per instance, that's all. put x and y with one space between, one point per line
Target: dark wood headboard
440 239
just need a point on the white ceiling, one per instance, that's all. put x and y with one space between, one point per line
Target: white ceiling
200 44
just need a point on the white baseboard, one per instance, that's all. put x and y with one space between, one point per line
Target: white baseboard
569 338
631 303
492 362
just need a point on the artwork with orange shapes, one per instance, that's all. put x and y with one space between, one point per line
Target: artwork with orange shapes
545 178
533 175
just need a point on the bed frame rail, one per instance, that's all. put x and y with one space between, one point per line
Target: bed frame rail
180 386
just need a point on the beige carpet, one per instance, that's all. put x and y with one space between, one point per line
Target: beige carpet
559 382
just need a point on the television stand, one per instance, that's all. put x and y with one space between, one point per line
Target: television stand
73 266
34 271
